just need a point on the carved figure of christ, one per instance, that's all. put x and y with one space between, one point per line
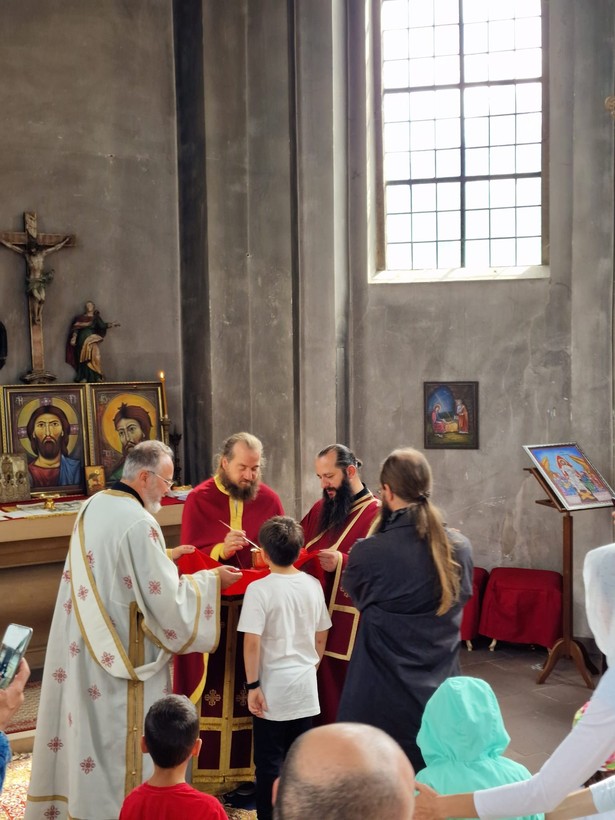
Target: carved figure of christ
35 247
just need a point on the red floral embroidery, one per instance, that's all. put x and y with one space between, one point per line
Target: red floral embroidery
74 649
59 675
127 581
90 558
68 606
155 587
107 659
208 612
154 535
83 592
55 744
94 692
52 813
66 576
87 765
170 634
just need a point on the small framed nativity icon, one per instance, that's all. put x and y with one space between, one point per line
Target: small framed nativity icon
122 414
47 425
450 415
571 476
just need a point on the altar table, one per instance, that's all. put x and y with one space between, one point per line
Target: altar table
32 554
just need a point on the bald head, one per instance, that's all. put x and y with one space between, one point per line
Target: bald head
343 771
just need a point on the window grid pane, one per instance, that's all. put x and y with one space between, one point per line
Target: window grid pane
462 133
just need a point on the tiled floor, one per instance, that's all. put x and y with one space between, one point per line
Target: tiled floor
537 717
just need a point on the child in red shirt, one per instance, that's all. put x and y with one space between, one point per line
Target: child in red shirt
171 738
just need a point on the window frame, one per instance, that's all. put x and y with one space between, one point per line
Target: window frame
381 273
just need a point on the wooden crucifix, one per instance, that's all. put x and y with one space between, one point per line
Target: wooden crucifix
35 247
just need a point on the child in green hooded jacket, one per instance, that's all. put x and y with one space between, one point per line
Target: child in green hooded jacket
462 739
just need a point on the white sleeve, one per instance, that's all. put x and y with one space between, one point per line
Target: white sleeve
324 619
603 794
578 756
252 618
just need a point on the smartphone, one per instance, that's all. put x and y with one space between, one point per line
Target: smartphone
14 644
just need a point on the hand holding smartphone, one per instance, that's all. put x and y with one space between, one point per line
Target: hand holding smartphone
13 648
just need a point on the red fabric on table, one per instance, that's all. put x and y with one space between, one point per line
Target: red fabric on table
196 561
471 611
523 606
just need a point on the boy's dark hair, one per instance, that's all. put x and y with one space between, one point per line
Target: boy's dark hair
281 538
171 730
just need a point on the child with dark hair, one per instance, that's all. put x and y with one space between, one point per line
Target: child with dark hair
171 738
285 621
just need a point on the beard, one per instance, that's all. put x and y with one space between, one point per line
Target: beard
151 501
335 510
240 492
385 514
49 447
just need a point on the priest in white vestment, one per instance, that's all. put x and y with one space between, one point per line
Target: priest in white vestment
122 612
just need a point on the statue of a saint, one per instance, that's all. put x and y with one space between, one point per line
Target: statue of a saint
83 347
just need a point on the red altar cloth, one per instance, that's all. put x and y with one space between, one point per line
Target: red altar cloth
523 606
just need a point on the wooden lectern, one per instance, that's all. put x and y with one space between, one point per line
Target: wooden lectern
567 646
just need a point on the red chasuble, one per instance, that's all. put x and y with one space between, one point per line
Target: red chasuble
209 504
215 682
345 618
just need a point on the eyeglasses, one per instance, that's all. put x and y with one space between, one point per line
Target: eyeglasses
168 481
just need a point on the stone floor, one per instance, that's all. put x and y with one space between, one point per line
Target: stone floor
537 717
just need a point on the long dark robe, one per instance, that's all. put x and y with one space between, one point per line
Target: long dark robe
403 651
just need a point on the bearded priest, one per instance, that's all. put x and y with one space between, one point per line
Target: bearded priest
225 512
343 515
121 613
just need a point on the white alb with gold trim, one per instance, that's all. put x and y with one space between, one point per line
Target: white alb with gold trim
121 612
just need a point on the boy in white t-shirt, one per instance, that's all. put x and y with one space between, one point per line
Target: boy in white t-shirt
285 621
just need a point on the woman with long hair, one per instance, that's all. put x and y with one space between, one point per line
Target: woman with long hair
409 580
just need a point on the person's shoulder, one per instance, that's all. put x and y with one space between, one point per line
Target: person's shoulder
308 582
265 492
197 796
315 508
459 542
364 548
205 487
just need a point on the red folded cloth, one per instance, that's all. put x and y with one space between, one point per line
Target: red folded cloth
196 561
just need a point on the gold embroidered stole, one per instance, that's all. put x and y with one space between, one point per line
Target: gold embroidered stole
100 637
356 511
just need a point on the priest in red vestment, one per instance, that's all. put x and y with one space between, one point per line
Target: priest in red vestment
343 514
222 513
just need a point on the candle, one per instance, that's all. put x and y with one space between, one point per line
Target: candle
164 395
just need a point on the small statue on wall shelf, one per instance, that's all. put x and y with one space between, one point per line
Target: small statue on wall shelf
86 333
